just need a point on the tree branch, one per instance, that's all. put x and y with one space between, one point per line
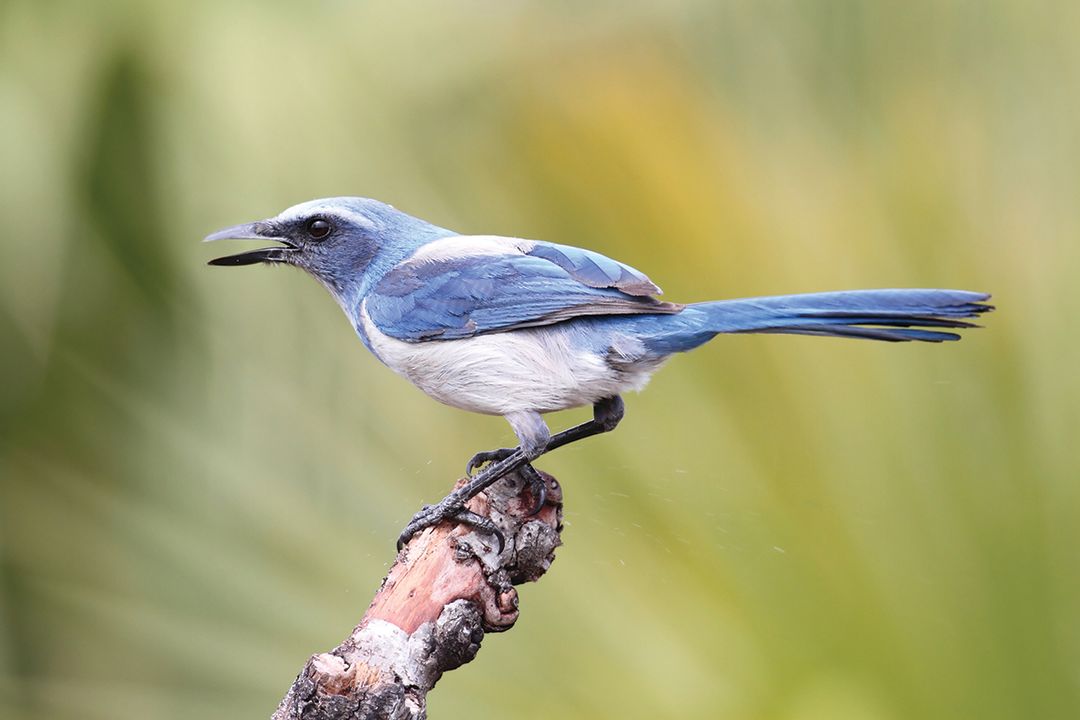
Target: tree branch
446 588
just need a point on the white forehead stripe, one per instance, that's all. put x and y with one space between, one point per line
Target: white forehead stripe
312 207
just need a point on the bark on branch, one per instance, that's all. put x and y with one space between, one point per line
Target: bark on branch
447 588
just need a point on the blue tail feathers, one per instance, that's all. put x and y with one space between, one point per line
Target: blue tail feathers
890 315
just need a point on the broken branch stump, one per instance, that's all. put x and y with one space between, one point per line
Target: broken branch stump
447 587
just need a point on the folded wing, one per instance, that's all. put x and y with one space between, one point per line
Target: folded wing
468 285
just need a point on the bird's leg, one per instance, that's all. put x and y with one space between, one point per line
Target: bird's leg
607 413
533 433
606 416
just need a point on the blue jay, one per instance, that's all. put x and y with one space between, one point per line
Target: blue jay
519 328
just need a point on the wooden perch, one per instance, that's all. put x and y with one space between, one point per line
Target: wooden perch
446 588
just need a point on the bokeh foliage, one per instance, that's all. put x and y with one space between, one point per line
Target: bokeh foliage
201 470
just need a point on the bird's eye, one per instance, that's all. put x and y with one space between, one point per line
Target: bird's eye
318 228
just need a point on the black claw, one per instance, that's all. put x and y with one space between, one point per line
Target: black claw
537 487
486 456
429 515
406 536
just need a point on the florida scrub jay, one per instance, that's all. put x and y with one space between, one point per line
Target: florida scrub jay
518 328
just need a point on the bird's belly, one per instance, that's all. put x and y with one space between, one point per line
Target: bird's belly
539 369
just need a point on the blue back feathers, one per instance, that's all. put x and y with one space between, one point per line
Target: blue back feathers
531 284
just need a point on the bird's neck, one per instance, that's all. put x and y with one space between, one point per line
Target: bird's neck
390 255
350 289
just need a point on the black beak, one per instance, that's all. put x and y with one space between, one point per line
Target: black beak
252 231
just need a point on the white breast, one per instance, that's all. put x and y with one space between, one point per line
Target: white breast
530 369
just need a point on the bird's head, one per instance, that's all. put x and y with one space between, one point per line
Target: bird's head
334 239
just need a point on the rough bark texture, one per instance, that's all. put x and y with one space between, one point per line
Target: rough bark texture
447 588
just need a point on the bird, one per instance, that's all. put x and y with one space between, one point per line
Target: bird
520 328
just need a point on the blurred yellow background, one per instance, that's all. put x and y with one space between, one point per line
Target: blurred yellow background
202 471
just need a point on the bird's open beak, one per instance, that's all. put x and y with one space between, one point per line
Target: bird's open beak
252 231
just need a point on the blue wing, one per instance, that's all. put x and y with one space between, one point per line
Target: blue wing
463 286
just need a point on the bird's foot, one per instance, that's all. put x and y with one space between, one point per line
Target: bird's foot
486 456
452 507
431 515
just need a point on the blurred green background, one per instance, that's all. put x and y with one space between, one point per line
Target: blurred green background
202 471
